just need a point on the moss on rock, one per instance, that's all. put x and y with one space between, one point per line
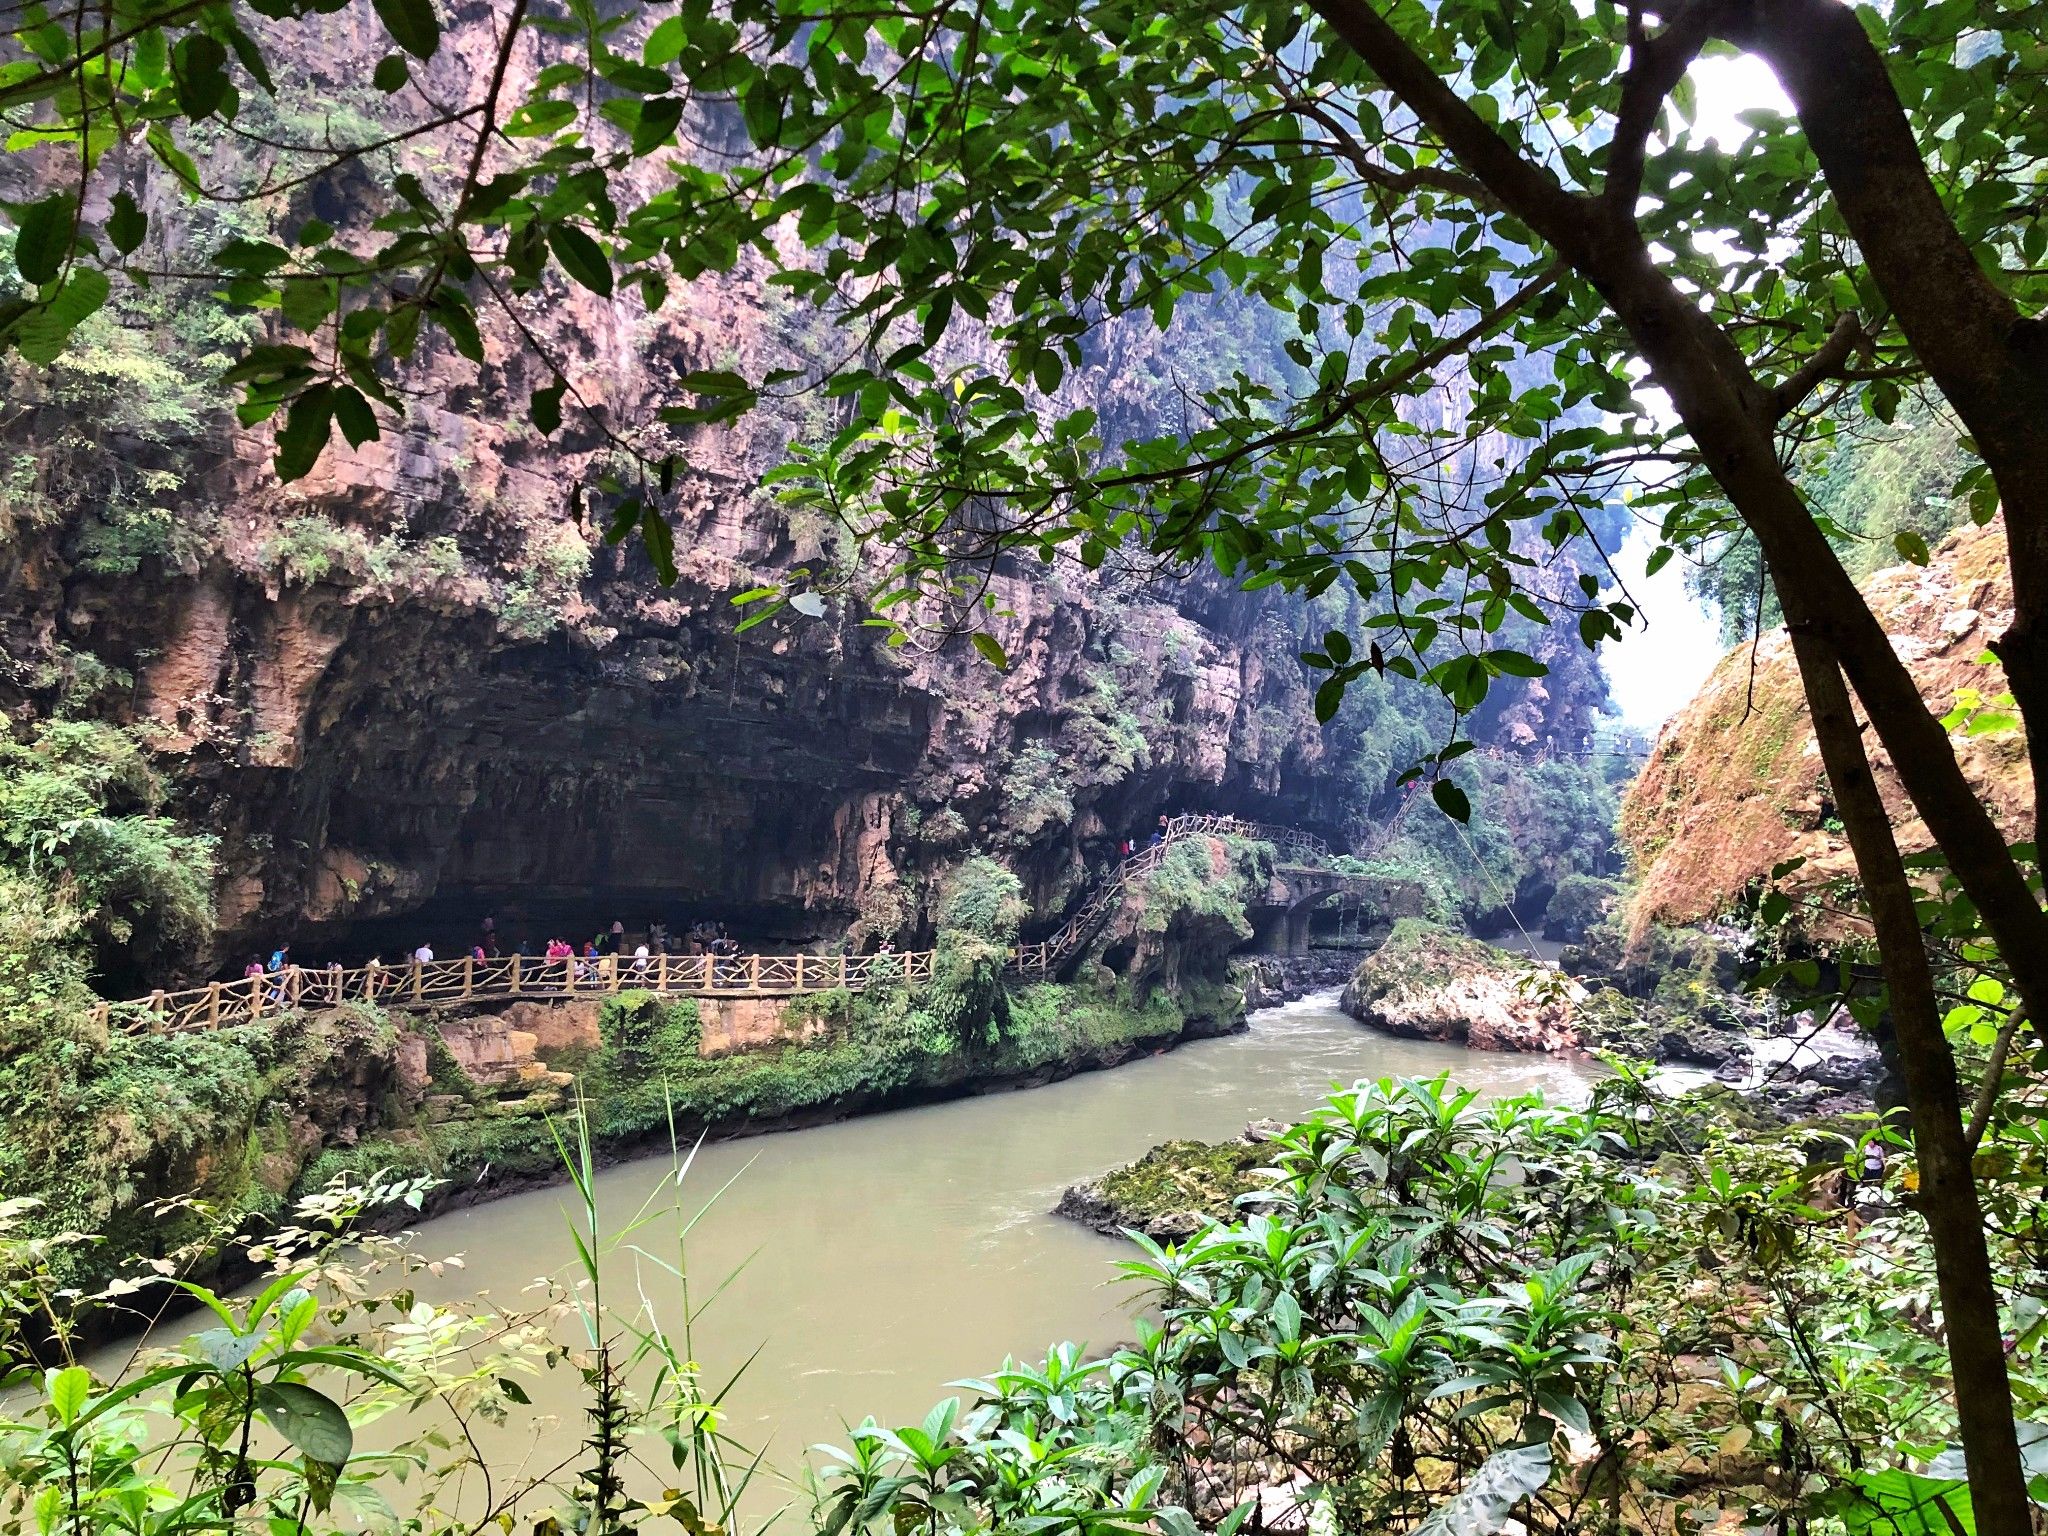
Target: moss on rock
1170 1191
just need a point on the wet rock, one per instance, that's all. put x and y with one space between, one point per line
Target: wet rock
1170 1192
1270 980
1694 1046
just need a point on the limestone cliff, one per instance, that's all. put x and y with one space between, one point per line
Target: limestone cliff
413 686
1735 785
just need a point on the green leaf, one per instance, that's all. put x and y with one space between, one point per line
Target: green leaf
43 239
545 410
126 224
1329 698
68 1389
1911 547
307 425
42 334
661 543
659 118
391 73
200 65
992 650
582 258
1894 1502
358 422
224 1349
1451 800
1515 664
412 25
311 1420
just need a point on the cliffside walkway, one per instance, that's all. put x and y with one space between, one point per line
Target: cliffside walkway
438 983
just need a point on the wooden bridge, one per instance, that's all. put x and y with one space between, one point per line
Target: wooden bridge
439 983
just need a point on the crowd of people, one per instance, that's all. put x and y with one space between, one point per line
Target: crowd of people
698 938
704 937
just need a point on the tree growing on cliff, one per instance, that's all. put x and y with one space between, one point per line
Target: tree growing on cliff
1426 194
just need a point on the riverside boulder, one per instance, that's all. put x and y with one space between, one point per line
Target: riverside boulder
1427 983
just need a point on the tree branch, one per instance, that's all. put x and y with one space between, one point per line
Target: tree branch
1655 66
1994 1071
1824 363
1527 189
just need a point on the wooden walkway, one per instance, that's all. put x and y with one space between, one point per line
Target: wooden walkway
438 983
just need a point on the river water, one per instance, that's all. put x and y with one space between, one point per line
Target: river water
873 1261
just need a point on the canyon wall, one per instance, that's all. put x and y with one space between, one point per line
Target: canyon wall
1735 787
414 688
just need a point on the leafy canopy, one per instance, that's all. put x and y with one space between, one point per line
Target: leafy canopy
985 197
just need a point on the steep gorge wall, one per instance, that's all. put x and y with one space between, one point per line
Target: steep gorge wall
1735 785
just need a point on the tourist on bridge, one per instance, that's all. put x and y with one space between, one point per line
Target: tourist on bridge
424 955
253 968
640 960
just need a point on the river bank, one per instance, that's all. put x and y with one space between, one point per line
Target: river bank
944 1210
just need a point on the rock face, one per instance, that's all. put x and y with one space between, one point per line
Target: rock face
411 689
1428 984
1735 785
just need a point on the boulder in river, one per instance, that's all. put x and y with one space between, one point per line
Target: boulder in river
1173 1190
1430 984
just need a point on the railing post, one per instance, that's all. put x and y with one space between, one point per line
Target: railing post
661 972
842 968
468 975
611 973
419 979
515 970
754 972
799 970
294 985
213 1005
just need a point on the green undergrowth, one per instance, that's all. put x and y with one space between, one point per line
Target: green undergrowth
146 1141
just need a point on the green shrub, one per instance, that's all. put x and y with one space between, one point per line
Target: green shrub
1578 903
312 548
984 898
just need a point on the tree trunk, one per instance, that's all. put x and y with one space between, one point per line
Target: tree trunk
1730 416
1948 1187
1989 362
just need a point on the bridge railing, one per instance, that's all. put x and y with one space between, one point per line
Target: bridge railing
222 1004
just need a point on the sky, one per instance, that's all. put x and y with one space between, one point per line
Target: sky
1654 670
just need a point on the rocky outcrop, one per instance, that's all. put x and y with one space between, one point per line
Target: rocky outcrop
1270 980
1428 984
1735 787
1174 1190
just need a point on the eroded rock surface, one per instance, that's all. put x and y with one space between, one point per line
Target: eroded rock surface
1428 984
1735 785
